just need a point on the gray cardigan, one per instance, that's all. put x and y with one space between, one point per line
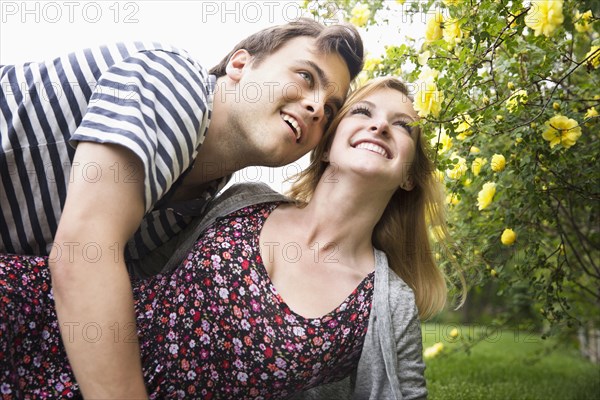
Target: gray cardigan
391 364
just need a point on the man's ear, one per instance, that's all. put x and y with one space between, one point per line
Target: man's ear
238 61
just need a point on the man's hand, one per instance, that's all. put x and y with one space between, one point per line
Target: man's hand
92 290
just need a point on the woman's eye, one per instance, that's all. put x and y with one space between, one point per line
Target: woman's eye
404 125
307 76
362 110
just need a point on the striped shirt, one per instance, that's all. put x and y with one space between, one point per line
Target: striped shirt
152 99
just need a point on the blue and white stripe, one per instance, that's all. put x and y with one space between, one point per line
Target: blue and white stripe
153 99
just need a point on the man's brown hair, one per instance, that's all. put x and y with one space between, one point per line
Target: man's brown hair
342 39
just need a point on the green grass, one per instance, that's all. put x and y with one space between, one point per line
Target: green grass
508 365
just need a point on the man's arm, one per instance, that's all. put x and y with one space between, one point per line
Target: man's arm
92 290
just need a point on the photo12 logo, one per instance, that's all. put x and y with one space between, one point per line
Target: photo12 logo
265 11
69 11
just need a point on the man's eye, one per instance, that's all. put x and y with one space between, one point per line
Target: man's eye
329 113
307 76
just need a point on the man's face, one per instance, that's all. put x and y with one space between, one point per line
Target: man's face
283 104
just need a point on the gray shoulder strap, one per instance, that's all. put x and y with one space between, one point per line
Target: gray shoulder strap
236 197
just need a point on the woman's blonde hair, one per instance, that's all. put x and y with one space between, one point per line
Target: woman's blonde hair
403 232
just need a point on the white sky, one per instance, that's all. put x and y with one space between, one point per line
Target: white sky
37 30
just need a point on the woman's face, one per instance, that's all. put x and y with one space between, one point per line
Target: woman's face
375 138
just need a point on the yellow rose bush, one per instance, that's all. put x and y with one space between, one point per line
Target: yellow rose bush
463 126
428 99
498 162
544 16
561 130
443 142
360 14
459 168
486 195
435 27
433 351
518 81
477 164
516 99
508 237
593 57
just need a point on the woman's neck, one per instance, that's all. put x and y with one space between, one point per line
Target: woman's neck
343 213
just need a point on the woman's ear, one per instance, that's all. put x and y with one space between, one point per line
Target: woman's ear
238 61
408 184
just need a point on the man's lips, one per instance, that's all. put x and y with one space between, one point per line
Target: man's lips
294 124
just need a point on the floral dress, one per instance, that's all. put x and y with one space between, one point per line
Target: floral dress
214 328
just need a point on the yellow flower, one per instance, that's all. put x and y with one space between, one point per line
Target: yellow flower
451 2
445 140
360 14
424 57
498 162
452 199
520 96
544 16
594 61
474 150
452 32
591 113
372 63
477 164
454 333
464 126
458 169
428 99
486 195
433 31
467 182
433 351
428 74
582 23
400 1
562 130
508 237
493 273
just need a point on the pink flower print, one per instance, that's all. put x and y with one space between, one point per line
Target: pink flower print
298 331
255 305
280 362
254 290
223 293
242 376
279 374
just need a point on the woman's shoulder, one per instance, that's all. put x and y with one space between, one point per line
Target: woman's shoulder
246 190
241 195
399 293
